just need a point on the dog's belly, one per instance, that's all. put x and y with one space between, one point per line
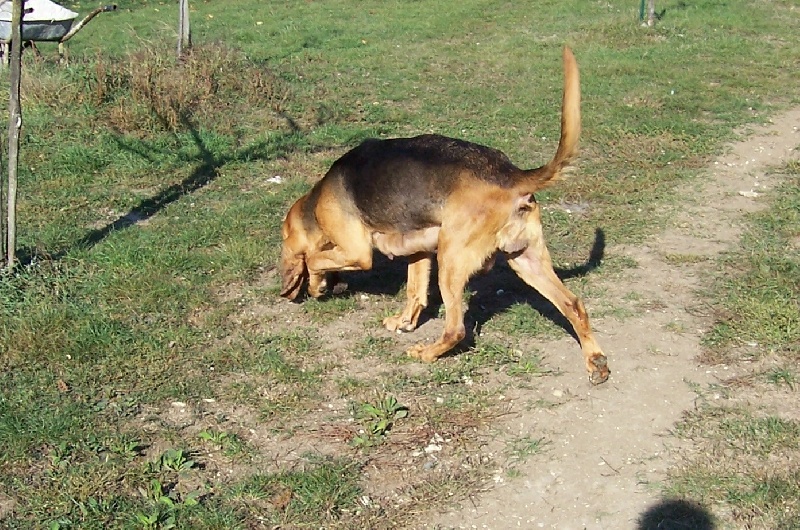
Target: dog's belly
406 243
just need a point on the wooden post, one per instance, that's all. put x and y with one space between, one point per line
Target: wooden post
3 236
14 126
651 13
184 32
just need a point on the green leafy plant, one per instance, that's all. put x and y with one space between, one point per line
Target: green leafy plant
377 419
782 376
230 444
173 460
525 446
162 515
158 519
60 455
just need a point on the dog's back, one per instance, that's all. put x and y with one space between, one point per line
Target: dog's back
401 184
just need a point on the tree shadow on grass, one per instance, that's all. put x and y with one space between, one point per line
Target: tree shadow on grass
207 169
676 514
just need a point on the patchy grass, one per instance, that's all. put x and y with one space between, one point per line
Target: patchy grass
745 463
148 377
758 289
745 456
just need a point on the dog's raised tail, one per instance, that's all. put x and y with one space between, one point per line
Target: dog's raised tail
536 179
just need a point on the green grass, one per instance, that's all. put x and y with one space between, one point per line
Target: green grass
759 288
149 225
746 462
521 319
734 469
327 491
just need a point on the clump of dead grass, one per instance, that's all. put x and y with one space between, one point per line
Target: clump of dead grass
149 90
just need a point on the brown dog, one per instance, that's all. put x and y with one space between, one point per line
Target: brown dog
429 195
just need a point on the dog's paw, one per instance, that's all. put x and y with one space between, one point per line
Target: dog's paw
397 323
423 352
317 285
598 368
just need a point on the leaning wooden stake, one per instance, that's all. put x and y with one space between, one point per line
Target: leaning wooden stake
14 126
62 49
184 32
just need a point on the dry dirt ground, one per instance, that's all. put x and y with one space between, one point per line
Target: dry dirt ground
610 445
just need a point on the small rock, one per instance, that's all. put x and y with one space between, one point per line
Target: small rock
433 448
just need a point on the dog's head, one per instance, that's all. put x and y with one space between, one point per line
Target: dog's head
294 251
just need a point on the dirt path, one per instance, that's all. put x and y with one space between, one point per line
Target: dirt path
610 445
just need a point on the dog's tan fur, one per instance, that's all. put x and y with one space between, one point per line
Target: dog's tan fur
432 195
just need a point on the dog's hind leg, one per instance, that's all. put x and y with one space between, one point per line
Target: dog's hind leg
419 274
459 258
534 266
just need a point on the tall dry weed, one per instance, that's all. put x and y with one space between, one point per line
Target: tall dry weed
149 90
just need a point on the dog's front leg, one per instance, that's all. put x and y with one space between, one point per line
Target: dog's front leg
451 284
419 273
317 284
334 260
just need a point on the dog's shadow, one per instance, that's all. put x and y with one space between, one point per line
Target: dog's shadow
388 277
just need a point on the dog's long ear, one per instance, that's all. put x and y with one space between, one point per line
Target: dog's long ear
293 261
293 271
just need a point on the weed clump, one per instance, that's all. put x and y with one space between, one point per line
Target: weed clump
150 91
